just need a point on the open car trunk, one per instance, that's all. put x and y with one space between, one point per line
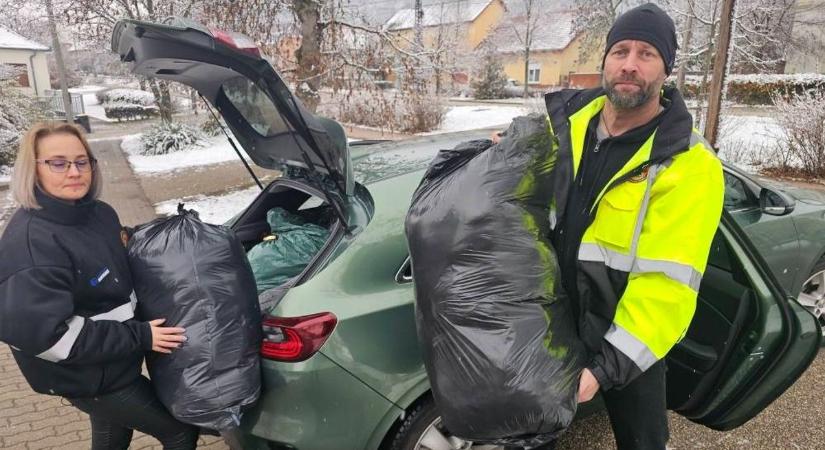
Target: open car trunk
303 202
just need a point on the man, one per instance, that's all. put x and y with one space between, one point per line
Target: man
638 199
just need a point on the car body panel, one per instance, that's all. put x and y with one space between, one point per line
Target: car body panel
315 404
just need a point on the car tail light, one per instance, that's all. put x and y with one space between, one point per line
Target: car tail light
294 339
238 41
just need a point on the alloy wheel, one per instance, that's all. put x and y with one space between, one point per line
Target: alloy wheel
812 297
436 437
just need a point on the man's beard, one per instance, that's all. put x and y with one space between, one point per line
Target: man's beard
629 100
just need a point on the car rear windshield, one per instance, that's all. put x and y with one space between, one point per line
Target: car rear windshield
255 106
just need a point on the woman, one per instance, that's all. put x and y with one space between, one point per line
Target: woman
66 307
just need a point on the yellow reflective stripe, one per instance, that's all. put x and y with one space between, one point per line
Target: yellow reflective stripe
578 128
682 273
630 346
61 349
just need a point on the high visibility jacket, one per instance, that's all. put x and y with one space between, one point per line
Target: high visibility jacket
642 255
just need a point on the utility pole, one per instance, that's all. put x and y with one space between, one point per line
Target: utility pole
61 67
719 70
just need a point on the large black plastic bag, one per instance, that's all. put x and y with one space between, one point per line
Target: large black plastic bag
196 276
288 250
500 347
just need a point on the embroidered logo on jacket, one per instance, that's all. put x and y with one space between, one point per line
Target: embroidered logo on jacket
641 176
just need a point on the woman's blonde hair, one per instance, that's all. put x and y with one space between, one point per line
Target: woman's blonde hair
24 177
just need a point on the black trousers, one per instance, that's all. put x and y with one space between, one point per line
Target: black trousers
638 412
114 416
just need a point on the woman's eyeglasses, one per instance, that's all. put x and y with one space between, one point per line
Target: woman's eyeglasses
63 165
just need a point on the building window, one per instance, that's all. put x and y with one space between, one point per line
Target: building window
533 73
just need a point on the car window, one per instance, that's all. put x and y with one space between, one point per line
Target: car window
255 106
736 194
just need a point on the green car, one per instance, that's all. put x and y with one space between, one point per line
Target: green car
341 362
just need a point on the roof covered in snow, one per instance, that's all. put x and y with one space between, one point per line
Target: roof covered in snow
11 40
553 33
443 13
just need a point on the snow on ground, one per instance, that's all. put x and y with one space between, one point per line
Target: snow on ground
748 141
461 118
210 151
5 174
215 209
90 104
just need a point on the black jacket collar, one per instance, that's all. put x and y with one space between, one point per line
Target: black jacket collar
63 212
675 123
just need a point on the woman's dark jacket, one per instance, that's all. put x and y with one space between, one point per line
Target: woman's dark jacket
65 299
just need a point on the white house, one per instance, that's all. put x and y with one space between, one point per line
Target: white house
17 51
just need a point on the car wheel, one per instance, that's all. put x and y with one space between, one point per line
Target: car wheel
422 430
812 296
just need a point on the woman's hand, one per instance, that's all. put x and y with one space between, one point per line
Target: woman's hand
165 339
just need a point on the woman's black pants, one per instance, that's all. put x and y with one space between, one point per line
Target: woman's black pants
117 414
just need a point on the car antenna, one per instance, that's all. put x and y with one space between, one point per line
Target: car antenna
232 142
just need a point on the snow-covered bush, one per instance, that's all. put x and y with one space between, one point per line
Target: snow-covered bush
401 111
128 111
128 96
212 127
491 80
169 138
17 113
802 120
127 104
758 89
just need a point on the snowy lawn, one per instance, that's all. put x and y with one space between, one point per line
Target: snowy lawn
462 118
215 209
210 151
748 141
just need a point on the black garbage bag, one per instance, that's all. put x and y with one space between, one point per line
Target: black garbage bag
287 251
500 346
196 276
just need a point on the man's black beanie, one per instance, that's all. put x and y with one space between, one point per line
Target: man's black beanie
650 24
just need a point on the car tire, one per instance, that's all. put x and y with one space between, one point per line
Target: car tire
812 296
421 430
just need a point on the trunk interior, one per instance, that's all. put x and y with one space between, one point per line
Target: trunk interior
301 202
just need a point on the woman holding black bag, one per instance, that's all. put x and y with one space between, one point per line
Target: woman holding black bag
66 303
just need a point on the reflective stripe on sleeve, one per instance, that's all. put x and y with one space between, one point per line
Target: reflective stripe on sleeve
60 350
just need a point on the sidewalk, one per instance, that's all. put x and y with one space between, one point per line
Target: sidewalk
33 421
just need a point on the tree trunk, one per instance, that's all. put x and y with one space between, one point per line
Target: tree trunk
718 82
61 66
680 77
308 55
160 89
526 72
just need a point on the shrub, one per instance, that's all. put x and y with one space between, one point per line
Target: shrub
16 115
130 96
491 80
212 127
801 118
401 111
758 89
128 111
169 138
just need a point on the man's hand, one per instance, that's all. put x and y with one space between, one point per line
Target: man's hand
496 137
588 386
